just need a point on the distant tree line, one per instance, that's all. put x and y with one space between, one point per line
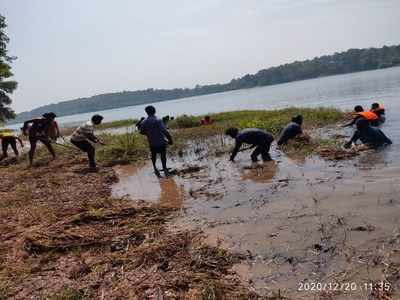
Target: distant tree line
352 60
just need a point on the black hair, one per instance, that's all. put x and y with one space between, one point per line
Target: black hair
375 105
362 124
207 118
96 119
298 119
49 115
233 132
358 108
150 110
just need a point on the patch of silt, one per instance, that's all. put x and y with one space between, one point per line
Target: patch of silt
296 219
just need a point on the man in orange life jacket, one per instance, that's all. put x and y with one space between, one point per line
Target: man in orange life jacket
379 110
370 116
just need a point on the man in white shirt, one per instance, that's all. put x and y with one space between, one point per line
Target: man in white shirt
83 135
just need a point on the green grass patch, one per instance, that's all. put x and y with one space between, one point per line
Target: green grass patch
118 124
132 146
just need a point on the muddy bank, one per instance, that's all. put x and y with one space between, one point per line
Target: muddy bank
64 237
297 220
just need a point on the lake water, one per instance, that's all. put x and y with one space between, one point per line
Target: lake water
295 219
342 91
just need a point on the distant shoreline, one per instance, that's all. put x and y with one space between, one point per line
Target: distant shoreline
324 66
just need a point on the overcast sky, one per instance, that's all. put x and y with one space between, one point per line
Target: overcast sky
77 48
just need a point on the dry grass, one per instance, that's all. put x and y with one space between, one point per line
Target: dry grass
63 237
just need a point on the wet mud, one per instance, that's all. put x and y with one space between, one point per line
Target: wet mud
297 219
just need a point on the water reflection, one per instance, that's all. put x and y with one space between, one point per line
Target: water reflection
259 173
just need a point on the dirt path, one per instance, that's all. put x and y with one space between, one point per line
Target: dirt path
64 237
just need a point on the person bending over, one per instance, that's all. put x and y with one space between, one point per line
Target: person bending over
257 138
38 130
8 138
83 135
158 137
370 116
369 136
292 130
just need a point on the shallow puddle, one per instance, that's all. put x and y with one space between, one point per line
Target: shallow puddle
297 221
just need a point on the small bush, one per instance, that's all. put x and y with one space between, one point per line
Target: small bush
185 121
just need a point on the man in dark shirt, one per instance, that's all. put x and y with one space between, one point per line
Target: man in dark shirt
158 138
38 130
258 138
291 130
369 136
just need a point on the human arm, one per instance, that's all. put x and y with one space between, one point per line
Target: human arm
20 142
355 119
166 133
235 150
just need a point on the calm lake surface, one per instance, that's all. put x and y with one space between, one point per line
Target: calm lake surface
341 91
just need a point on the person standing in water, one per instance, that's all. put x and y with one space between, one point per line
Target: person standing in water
379 110
8 138
38 130
259 139
83 135
158 137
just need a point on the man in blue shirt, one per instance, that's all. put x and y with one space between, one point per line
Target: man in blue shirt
158 138
259 139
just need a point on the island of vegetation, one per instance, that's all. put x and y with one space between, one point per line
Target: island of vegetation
352 60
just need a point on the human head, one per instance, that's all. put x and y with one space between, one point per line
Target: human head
150 110
362 124
375 105
207 118
96 119
298 119
232 132
49 116
358 108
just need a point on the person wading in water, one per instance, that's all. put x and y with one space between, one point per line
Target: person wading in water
158 138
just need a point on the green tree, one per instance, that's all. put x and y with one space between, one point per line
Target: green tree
6 86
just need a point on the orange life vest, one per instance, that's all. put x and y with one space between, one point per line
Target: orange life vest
368 115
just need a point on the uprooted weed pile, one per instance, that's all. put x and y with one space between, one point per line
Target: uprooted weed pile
62 237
